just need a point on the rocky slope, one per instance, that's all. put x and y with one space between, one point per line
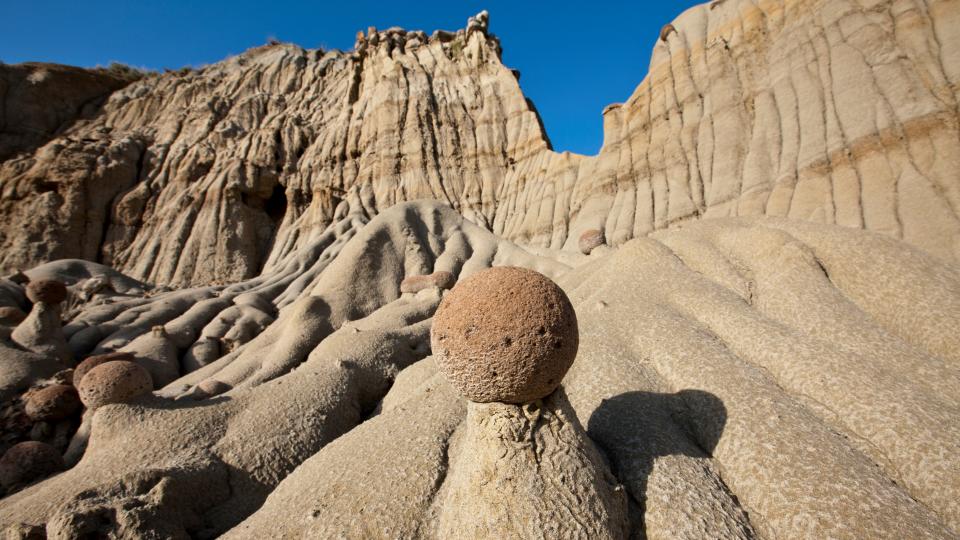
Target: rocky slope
245 233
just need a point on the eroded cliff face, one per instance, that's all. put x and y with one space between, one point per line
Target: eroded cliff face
834 112
212 175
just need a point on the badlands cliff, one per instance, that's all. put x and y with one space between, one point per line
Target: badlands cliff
768 297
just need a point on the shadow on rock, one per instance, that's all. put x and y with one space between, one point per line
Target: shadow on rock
637 428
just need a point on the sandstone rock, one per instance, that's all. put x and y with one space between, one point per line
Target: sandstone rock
666 31
11 316
498 488
414 284
91 362
505 334
117 381
53 403
48 291
42 332
156 352
28 461
41 98
590 239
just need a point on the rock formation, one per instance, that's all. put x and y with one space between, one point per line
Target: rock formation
219 173
767 304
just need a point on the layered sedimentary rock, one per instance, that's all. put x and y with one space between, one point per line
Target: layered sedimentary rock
743 377
823 111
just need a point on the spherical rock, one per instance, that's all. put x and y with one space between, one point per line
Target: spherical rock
93 361
590 239
117 381
52 403
11 316
48 291
505 334
28 461
415 284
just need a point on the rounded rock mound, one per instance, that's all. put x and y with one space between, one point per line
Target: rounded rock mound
28 461
505 334
48 291
93 361
52 403
117 381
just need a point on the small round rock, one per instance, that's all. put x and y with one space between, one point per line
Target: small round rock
28 461
52 403
93 361
117 381
48 291
505 334
590 240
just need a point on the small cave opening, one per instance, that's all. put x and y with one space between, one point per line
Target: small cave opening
276 205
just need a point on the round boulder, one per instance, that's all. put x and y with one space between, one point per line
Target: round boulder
48 291
28 461
117 381
590 239
505 334
11 316
93 361
52 403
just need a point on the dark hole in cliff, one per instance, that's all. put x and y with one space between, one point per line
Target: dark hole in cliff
276 205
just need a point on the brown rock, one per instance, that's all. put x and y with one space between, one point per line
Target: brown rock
666 31
117 381
11 316
48 291
505 334
52 403
415 284
28 461
93 361
590 239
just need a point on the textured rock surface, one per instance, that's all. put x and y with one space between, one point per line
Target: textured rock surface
117 381
744 377
26 462
529 472
91 362
823 111
39 99
54 402
415 284
505 334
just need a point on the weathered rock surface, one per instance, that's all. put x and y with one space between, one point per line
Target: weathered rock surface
37 100
820 111
742 377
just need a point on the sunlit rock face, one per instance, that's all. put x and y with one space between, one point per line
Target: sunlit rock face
820 111
270 239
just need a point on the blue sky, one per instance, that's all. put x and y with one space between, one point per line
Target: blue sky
575 58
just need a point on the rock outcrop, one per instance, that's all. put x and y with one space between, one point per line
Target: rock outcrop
774 374
820 111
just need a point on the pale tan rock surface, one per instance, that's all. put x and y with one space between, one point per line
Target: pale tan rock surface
823 111
743 377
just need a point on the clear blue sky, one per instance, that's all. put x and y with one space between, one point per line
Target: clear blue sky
575 58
